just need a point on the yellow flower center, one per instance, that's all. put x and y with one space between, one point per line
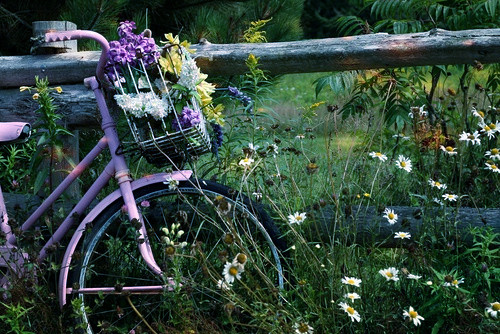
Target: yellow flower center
402 235
494 167
495 151
454 282
378 154
496 306
413 314
389 274
303 328
493 126
350 310
438 184
298 218
391 215
481 114
233 271
487 128
242 258
449 149
471 137
350 281
403 164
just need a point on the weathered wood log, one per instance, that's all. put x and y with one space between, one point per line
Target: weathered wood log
435 47
371 227
76 104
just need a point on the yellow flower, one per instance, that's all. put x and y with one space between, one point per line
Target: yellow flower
36 96
58 89
175 41
23 88
172 63
215 113
205 89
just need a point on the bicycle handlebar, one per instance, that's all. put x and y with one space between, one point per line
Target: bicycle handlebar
81 34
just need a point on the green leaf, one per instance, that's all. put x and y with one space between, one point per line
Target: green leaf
40 179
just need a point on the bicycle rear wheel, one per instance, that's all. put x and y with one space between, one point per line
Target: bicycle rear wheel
220 254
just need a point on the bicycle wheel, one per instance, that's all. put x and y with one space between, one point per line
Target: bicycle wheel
220 254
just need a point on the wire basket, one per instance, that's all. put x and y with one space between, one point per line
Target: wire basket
162 135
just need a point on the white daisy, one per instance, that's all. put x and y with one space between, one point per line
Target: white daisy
402 235
437 184
351 281
172 184
297 218
303 327
420 110
450 197
438 201
454 282
415 277
489 129
246 162
494 309
352 296
390 274
404 163
413 316
378 155
448 150
223 285
352 313
472 138
231 271
401 136
490 165
478 114
391 217
493 154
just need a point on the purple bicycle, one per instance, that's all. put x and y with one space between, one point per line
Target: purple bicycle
167 251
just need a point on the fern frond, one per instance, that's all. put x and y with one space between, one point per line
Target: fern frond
350 25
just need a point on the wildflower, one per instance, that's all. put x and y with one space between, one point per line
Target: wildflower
311 168
223 285
391 217
240 259
448 150
493 154
23 88
404 163
187 119
352 313
300 136
231 271
172 184
318 246
352 296
429 283
58 89
450 197
297 218
293 247
454 282
490 165
257 195
36 96
145 204
390 274
351 281
246 162
415 277
472 138
494 309
413 316
379 155
421 112
436 184
438 201
490 129
402 235
478 114
401 136
303 327
367 195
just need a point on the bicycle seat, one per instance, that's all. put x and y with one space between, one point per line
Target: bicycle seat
14 132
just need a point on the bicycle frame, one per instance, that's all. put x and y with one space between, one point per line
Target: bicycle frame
117 168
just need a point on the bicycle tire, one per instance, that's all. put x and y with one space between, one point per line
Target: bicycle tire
195 298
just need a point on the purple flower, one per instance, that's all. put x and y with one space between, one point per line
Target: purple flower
125 28
188 118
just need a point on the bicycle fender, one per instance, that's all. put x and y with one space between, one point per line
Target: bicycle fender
182 175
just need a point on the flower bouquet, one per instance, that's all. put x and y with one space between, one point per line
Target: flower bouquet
163 95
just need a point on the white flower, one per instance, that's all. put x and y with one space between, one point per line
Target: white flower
438 201
413 316
190 74
391 217
472 138
303 327
297 218
246 162
172 184
351 281
415 277
450 197
223 285
436 184
490 165
257 195
352 296
301 136
490 129
352 313
454 283
421 112
429 283
402 235
493 154
231 271
448 150
401 136
379 155
494 309
478 114
318 246
390 274
404 163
